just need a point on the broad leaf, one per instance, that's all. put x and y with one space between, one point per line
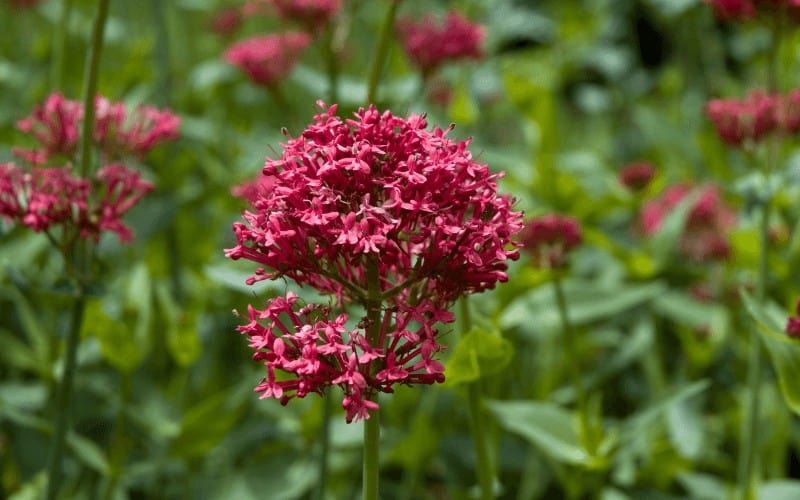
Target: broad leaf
478 353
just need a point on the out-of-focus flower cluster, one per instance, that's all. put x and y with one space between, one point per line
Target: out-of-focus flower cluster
23 4
637 176
733 10
747 121
793 323
432 40
705 235
381 193
56 126
549 239
267 59
49 194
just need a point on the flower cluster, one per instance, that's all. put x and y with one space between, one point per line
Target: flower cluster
377 208
549 239
44 198
226 21
732 10
637 176
793 323
432 41
55 125
312 14
267 59
705 232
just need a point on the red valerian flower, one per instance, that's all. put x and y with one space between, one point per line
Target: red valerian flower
226 21
550 238
636 176
745 121
252 190
708 224
47 198
381 193
735 10
432 41
268 59
312 14
793 323
55 125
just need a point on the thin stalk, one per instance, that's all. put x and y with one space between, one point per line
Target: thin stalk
372 428
118 451
748 456
90 86
381 52
332 64
59 42
586 433
485 468
64 396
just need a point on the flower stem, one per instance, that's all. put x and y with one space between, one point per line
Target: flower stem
64 396
485 468
586 434
59 42
372 427
90 85
381 52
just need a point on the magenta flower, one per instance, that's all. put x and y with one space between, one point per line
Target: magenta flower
252 190
734 10
312 14
375 192
636 176
268 59
708 224
432 41
793 323
549 239
744 121
55 125
227 21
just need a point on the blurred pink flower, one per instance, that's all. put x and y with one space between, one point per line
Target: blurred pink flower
375 192
636 176
268 59
729 10
793 323
312 14
549 239
227 21
705 232
743 121
432 41
55 125
253 189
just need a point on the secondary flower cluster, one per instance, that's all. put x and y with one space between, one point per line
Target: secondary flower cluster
636 176
377 208
749 120
705 232
432 41
732 10
56 126
550 238
268 59
793 323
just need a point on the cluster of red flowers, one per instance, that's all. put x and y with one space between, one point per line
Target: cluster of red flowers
793 323
637 176
51 195
375 192
267 59
731 10
549 239
432 41
56 127
705 233
740 122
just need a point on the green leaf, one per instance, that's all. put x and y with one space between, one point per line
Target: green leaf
664 243
206 424
550 428
182 340
704 486
479 353
780 489
783 350
641 421
88 452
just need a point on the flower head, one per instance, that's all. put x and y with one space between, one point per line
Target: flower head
226 21
636 176
742 121
705 232
268 59
432 41
55 125
313 14
793 323
549 239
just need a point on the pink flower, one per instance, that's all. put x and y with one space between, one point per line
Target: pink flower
375 192
268 59
432 41
705 232
729 10
549 239
118 190
749 120
226 21
254 189
313 14
55 125
793 323
636 176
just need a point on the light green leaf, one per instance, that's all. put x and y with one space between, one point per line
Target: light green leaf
640 421
181 332
206 424
479 353
781 489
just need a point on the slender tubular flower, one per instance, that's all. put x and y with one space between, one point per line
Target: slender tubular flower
380 212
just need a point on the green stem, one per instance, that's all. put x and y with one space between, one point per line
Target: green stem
64 396
372 429
331 63
59 42
484 466
570 345
325 446
90 86
750 443
381 52
118 449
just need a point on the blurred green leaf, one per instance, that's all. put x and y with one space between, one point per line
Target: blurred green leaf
206 424
704 486
479 353
182 340
779 489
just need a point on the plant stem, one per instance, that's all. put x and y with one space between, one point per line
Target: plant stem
484 466
64 395
381 51
749 453
90 85
59 42
118 448
372 427
586 434
330 52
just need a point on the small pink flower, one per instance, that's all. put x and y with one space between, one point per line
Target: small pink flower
312 14
745 121
793 323
226 21
55 125
268 59
549 239
432 41
254 189
636 176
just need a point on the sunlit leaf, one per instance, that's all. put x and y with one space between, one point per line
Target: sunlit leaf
479 353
